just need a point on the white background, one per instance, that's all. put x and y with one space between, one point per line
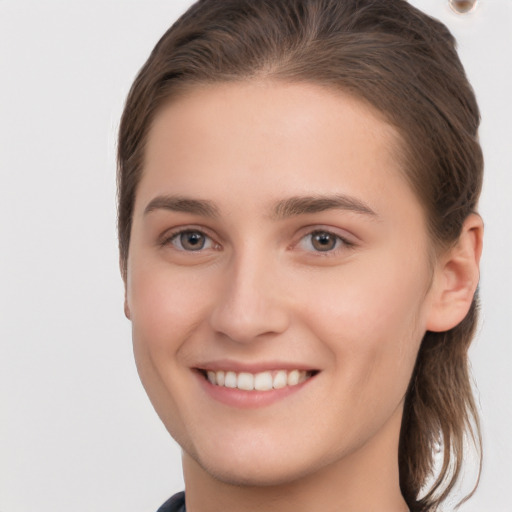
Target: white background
76 430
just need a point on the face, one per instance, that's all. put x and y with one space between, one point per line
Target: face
278 279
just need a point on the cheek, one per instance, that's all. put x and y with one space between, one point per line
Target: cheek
371 318
165 305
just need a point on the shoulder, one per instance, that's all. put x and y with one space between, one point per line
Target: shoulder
174 504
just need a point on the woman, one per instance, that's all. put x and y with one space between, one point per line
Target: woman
298 183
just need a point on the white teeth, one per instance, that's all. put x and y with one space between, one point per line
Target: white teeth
293 378
280 379
230 380
263 381
245 381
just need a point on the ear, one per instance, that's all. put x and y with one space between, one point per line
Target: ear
456 278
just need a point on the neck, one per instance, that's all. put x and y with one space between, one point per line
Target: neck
367 480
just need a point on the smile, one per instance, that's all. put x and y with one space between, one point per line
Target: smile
262 381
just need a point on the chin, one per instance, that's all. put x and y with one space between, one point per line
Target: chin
248 474
254 465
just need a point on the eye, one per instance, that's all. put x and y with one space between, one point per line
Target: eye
191 240
322 241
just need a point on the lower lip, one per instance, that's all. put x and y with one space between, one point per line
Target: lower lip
239 398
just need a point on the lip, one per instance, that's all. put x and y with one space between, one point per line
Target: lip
241 399
237 366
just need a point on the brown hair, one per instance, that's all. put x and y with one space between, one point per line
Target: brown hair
404 63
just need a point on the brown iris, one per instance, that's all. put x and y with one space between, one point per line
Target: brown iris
323 241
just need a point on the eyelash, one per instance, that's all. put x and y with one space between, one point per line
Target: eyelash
175 236
341 242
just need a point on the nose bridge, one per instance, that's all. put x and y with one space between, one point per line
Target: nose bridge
252 302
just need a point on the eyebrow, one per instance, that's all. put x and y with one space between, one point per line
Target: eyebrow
290 207
182 204
302 205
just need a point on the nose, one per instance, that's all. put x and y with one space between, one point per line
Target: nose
253 302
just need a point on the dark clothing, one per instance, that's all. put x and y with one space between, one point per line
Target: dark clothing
174 504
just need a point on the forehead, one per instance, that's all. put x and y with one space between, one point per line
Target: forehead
282 110
273 139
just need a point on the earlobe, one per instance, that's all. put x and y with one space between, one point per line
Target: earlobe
456 278
127 312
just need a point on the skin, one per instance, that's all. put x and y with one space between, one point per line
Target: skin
260 292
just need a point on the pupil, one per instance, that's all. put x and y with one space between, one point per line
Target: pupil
192 241
323 241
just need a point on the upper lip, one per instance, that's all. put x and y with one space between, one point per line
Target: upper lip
256 367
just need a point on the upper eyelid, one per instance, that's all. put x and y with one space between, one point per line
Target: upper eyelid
343 239
341 233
